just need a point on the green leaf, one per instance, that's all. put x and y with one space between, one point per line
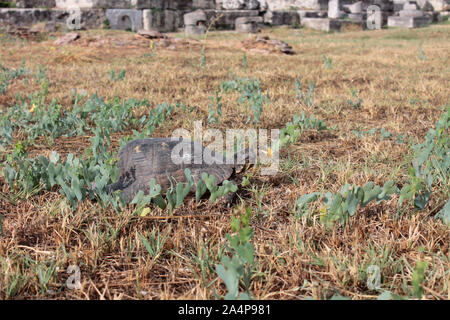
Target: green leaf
209 181
352 201
182 191
418 277
386 295
155 189
444 214
146 245
200 190
307 198
138 197
229 276
76 188
246 252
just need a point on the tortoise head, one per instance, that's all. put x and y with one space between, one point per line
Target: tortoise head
242 158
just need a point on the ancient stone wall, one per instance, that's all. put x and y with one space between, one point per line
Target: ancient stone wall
167 15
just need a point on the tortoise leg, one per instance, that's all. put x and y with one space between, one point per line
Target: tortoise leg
230 198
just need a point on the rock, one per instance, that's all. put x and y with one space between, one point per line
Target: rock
25 33
265 45
249 24
124 19
151 34
66 39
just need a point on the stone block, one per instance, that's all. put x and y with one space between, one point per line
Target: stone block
90 18
315 5
11 18
124 19
279 18
239 4
384 5
195 30
323 24
410 6
249 24
357 17
311 14
225 19
424 5
334 9
195 22
356 7
159 20
47 4
195 18
411 13
408 22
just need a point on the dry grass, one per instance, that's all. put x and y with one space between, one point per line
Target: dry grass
296 257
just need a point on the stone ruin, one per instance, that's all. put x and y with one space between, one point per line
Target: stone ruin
196 15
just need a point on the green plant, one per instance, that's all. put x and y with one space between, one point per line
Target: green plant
443 214
418 277
250 90
215 108
203 58
357 103
244 62
239 266
422 56
306 97
120 75
292 131
7 75
45 274
344 204
328 63
430 165
153 242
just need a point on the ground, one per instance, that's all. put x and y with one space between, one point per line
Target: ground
393 80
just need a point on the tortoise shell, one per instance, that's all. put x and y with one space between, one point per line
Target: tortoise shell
142 160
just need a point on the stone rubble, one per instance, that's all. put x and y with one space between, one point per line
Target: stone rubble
66 39
265 45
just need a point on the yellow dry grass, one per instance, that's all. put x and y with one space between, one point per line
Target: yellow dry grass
296 257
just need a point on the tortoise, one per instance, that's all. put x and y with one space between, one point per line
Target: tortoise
142 160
